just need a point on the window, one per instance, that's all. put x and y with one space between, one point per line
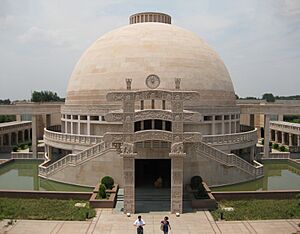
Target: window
207 118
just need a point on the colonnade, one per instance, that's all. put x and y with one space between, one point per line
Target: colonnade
14 133
285 133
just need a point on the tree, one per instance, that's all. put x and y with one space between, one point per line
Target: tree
5 102
269 97
45 96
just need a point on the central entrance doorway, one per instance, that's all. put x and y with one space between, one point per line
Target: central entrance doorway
152 185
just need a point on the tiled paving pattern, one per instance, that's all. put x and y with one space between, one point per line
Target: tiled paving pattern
109 222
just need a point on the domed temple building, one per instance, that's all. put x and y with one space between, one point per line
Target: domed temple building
146 102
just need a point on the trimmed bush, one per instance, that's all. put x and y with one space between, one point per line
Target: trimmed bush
102 192
15 148
201 193
23 146
108 182
282 148
196 182
275 146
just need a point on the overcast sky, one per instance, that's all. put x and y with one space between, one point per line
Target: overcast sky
41 40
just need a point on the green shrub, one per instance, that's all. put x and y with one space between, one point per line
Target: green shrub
196 182
15 148
108 182
262 141
23 146
201 193
282 148
270 144
275 146
102 192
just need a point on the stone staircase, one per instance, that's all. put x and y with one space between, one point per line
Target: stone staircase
47 168
229 159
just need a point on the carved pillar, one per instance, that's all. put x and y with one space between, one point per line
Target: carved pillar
177 111
88 123
280 117
213 126
298 140
129 182
66 125
177 182
234 126
290 139
71 124
276 136
28 132
282 138
267 136
223 124
78 125
18 118
34 135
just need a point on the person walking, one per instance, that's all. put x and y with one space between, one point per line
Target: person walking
139 224
165 225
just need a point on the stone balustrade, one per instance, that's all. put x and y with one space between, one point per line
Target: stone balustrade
14 126
71 138
282 126
47 169
27 155
277 155
235 138
230 159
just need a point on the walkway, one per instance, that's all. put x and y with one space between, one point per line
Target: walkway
108 222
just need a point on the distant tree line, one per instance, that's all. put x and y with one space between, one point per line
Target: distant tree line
45 96
7 118
269 97
5 102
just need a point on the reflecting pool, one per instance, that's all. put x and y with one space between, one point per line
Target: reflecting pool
23 175
281 175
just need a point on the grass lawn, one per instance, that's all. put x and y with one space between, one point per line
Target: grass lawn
259 209
48 209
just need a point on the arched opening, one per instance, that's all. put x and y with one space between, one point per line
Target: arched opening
26 135
13 138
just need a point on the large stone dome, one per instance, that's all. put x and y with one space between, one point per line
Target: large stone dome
138 50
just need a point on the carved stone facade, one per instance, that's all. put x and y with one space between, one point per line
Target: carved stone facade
128 115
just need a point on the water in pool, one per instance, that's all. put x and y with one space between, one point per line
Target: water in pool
277 176
23 175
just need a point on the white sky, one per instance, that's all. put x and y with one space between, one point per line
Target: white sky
41 40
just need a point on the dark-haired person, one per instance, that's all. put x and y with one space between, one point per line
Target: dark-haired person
139 223
165 225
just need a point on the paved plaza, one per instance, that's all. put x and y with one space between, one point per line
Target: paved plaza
108 222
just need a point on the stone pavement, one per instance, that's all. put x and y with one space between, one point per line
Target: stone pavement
108 222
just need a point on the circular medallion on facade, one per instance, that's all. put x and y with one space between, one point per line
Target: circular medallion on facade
152 81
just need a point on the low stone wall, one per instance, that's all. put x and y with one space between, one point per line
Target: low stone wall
46 194
246 195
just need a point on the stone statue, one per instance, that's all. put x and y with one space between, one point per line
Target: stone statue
177 148
177 83
127 148
128 84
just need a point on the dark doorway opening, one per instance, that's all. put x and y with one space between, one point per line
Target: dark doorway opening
149 196
148 172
